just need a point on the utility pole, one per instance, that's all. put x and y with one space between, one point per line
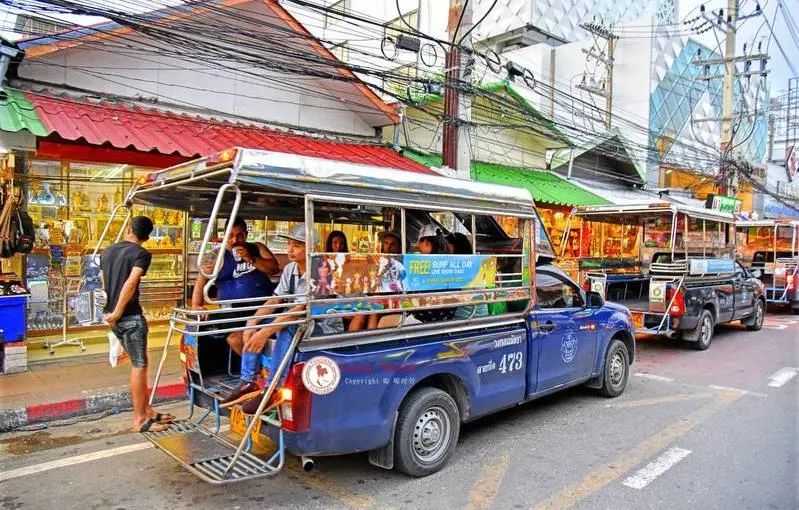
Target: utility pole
729 26
602 87
457 106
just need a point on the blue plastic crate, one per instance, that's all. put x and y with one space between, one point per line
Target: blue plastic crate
12 318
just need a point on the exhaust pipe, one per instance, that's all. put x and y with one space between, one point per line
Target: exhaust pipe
307 464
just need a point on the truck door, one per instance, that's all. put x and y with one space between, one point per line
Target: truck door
567 332
743 292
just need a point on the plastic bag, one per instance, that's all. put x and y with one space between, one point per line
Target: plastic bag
116 353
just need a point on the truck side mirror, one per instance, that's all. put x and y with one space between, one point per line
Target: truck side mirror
594 299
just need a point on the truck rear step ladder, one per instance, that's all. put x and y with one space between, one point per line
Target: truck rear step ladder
210 456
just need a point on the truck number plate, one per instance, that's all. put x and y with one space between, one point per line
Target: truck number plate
238 421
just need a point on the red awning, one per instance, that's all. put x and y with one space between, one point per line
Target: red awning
127 127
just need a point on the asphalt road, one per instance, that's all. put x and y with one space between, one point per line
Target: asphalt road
705 430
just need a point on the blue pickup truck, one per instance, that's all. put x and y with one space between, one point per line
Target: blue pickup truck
455 334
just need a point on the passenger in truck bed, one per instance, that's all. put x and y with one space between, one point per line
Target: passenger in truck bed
293 281
244 274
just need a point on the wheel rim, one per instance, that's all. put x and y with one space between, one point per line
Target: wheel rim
759 314
707 327
617 369
431 435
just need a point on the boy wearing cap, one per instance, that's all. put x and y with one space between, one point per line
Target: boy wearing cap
123 265
293 280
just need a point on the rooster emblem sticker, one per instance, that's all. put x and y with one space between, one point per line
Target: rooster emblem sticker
321 375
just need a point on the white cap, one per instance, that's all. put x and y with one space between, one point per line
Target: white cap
298 234
429 230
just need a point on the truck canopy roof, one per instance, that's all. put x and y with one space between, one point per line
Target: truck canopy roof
276 183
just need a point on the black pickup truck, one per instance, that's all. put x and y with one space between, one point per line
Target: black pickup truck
685 299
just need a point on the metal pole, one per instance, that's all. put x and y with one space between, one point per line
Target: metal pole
727 96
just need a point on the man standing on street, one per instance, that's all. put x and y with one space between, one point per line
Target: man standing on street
123 266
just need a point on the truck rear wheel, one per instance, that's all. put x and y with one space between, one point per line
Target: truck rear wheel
427 432
616 371
705 326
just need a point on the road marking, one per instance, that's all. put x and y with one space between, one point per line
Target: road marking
782 376
71 461
776 326
660 400
487 485
80 459
605 475
736 390
657 467
653 377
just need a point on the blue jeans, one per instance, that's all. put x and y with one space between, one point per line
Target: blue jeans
251 361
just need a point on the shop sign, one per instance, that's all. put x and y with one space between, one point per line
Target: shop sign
722 203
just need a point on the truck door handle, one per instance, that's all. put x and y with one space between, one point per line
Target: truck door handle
549 326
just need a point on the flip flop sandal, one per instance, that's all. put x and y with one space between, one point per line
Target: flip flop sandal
164 419
147 425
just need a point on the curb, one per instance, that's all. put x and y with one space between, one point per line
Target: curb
11 419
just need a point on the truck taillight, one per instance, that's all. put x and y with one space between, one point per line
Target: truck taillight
587 285
677 308
295 405
790 282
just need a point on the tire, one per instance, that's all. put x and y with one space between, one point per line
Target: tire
757 317
427 432
705 330
616 370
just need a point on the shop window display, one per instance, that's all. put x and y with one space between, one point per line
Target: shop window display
71 203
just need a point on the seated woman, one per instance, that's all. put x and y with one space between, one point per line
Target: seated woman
431 241
458 244
336 242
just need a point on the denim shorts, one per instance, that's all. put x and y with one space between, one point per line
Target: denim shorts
132 333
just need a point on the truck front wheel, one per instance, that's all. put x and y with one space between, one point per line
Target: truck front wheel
616 371
427 432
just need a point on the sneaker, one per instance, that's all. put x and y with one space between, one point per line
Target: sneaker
245 391
250 407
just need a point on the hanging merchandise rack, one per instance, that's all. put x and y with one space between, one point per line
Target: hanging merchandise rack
66 275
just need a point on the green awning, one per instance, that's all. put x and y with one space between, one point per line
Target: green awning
17 114
546 187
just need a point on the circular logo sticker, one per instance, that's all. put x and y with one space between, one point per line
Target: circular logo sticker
568 347
321 375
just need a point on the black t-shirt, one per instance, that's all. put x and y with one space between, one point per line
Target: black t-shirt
117 262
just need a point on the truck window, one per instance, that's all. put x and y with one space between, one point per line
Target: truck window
554 292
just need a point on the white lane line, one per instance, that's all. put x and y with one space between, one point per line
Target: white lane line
657 467
776 326
80 459
653 377
782 376
71 461
736 390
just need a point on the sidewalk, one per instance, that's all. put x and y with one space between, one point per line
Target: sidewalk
78 386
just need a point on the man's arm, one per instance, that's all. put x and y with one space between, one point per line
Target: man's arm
266 262
125 295
197 295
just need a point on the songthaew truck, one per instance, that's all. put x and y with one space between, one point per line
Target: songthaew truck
770 250
673 265
450 335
